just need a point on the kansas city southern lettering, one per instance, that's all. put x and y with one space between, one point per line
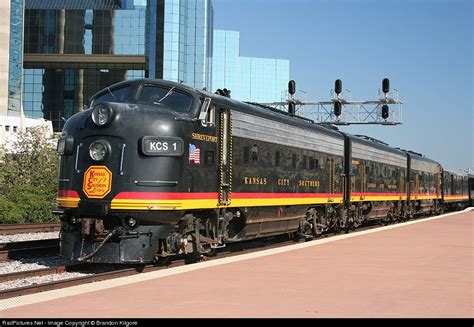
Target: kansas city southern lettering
283 182
255 180
308 183
204 137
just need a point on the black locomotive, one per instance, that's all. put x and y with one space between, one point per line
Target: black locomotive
156 168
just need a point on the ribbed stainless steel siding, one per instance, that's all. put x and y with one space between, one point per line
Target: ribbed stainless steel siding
363 151
262 129
424 166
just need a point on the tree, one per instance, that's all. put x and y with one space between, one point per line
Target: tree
28 177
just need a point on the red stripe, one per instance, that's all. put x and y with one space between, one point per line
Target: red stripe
166 196
214 195
67 194
282 195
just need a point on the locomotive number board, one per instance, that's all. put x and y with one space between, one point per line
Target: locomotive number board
162 146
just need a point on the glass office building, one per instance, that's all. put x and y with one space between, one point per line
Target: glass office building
15 57
74 48
261 80
61 52
188 33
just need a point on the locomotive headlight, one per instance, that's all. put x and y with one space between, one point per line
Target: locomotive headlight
102 114
131 222
99 150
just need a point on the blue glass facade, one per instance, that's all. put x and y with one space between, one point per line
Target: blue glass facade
249 79
16 57
188 33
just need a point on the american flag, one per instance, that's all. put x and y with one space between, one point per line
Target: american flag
194 154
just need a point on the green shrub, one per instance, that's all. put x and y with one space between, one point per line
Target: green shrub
34 204
10 213
28 178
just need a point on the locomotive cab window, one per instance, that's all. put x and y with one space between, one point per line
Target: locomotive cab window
211 116
165 97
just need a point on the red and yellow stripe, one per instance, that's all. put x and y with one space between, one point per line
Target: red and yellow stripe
456 197
187 201
201 200
424 196
68 199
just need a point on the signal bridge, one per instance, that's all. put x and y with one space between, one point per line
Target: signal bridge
341 110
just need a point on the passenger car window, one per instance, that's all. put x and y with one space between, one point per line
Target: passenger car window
120 94
166 97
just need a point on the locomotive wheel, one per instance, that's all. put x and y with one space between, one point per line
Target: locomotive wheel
316 222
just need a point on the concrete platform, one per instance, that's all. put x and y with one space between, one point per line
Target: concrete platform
416 269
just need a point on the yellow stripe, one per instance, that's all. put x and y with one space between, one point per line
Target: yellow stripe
425 197
130 204
68 202
454 198
377 198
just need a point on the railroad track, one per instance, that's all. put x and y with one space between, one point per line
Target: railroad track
14 250
7 229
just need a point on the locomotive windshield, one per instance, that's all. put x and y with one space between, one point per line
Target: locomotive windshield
121 94
168 97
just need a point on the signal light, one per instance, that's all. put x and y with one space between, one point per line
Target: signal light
338 86
385 85
337 108
291 108
385 111
292 87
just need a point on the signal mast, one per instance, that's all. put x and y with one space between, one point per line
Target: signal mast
341 110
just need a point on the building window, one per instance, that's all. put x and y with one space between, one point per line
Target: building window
7 128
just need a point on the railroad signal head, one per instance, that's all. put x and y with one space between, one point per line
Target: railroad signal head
385 85
292 87
385 111
338 86
337 108
291 108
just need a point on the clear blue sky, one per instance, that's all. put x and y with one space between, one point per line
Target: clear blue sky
425 47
